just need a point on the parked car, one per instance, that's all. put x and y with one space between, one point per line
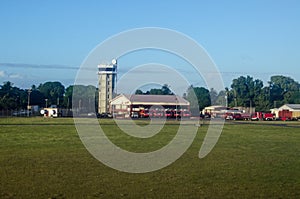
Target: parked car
156 113
134 115
91 114
176 114
168 114
21 113
246 116
233 116
228 116
104 115
144 113
186 114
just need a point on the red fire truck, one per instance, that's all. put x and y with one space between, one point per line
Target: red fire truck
262 116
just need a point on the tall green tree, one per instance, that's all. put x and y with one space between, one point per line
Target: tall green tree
53 91
295 98
223 98
198 97
36 97
12 97
155 91
164 90
82 97
67 103
213 96
247 91
139 92
283 90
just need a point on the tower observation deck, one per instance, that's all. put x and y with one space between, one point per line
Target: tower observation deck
107 74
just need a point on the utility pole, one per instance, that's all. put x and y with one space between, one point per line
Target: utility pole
226 99
28 100
57 102
235 100
250 106
176 111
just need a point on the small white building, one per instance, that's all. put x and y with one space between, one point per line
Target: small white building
294 108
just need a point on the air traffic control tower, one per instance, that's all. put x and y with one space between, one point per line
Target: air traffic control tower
107 81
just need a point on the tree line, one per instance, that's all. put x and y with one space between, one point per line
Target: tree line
244 91
164 90
44 95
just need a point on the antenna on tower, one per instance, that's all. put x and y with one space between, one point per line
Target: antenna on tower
114 62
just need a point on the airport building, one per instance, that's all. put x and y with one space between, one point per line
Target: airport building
124 105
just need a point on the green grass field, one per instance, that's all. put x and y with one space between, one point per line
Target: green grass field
44 158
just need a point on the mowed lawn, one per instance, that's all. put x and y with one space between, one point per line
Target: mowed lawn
44 158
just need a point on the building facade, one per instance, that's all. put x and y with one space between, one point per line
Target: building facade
124 105
293 108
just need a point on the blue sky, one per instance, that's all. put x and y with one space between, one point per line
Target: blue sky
48 40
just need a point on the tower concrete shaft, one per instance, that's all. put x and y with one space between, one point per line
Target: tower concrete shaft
107 80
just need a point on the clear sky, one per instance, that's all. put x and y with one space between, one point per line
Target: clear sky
48 40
